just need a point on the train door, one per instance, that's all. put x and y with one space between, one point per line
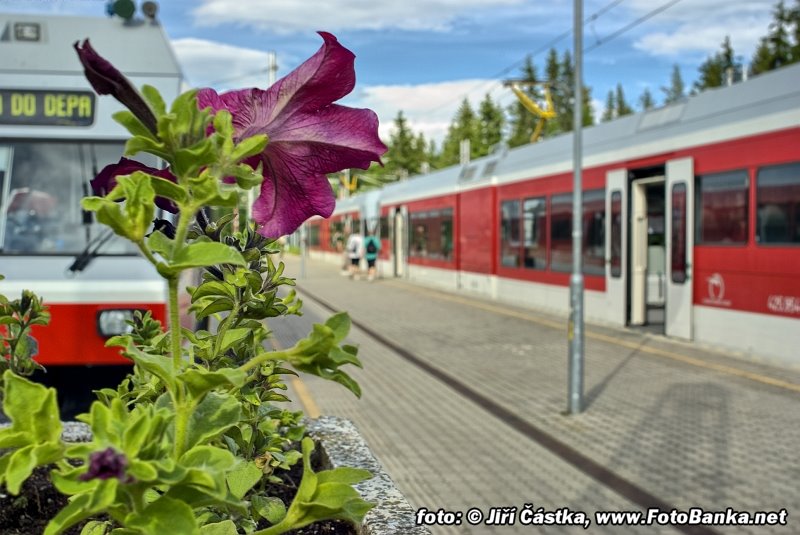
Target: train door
680 240
398 243
616 245
647 253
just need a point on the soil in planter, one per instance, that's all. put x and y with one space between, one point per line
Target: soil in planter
39 501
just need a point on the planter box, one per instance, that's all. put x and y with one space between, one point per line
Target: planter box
340 444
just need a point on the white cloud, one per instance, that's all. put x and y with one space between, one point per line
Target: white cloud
285 16
698 28
429 108
224 66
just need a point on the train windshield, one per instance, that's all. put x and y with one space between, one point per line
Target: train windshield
41 186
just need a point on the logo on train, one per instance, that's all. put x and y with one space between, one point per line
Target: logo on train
716 291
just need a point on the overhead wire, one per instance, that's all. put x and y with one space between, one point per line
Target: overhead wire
563 35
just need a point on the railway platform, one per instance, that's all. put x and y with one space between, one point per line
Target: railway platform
464 404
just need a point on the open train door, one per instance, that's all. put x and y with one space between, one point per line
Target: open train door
616 245
680 242
399 243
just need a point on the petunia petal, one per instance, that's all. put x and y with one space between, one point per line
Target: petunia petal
106 179
107 80
309 136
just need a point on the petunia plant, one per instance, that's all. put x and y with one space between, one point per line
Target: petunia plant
189 442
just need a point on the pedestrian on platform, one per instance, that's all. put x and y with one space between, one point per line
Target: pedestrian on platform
355 245
372 246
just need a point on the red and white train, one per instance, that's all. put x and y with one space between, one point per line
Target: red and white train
55 134
691 221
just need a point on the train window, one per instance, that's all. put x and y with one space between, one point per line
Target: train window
535 232
336 229
509 233
722 208
561 232
384 228
432 234
616 234
778 201
313 235
594 232
42 206
678 251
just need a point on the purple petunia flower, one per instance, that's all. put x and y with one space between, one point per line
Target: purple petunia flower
105 465
309 136
106 179
107 80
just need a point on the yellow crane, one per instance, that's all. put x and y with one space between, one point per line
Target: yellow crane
544 114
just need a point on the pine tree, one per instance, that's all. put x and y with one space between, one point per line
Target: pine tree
403 156
490 125
564 106
557 92
794 21
609 112
776 49
675 92
464 126
646 100
714 71
623 108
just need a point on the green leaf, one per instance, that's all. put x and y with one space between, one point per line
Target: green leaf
158 365
84 506
327 495
206 254
132 124
32 409
158 242
208 458
340 325
20 466
212 289
167 188
140 143
242 478
199 380
154 100
226 527
217 305
163 516
250 147
96 527
212 416
270 508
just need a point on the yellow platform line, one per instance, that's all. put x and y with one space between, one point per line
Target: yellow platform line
310 407
609 339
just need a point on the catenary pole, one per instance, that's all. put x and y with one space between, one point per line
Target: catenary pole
575 330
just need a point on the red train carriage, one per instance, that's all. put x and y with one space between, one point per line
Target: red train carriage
691 220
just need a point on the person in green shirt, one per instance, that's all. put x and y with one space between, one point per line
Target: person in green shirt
372 246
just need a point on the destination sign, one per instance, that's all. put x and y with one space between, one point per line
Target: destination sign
46 108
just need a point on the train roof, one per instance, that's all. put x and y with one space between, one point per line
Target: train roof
439 182
43 43
763 103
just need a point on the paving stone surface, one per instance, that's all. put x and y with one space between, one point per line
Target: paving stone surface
692 427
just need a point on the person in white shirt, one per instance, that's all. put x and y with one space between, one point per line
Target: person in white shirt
355 244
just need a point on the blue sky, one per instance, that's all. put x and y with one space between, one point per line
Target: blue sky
425 56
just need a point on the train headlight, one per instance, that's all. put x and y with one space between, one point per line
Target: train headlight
114 321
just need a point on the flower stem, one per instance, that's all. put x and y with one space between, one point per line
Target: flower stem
174 322
262 358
